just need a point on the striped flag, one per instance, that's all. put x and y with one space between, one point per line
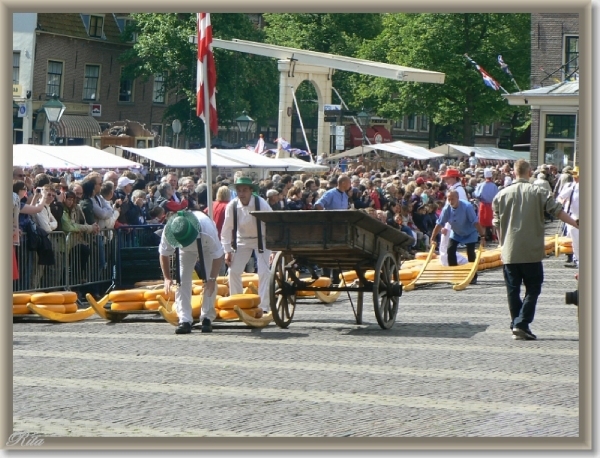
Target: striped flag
487 78
205 55
506 70
260 145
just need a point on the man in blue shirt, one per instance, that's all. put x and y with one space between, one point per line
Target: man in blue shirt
465 228
335 198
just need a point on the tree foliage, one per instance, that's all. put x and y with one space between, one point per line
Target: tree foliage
438 42
244 81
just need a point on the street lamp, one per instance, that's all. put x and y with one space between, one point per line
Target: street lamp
244 123
364 119
54 109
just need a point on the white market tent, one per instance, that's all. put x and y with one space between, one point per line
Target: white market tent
180 158
247 158
298 165
399 148
481 152
69 157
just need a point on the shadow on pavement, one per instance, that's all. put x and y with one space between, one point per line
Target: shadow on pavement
439 330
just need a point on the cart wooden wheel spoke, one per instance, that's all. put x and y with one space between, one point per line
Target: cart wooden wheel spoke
386 290
281 292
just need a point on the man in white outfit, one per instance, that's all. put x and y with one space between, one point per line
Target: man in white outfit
451 177
569 197
239 246
196 236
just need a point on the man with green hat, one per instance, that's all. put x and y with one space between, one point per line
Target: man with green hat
242 234
196 237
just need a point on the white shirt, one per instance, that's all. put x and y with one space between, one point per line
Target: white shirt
246 223
211 247
46 220
462 194
565 196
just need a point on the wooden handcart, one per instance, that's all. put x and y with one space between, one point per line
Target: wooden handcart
335 239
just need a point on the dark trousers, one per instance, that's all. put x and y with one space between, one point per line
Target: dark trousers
532 276
451 251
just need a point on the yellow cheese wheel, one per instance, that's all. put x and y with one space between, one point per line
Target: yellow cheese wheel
21 298
407 274
320 282
370 275
47 298
127 295
152 294
222 290
222 280
151 305
127 306
70 296
253 311
244 301
227 314
305 293
565 249
423 255
21 309
565 241
71 307
197 301
349 276
247 279
57 308
197 282
196 290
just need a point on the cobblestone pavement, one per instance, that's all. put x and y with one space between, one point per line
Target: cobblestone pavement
448 368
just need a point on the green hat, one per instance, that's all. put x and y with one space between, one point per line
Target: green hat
182 229
247 182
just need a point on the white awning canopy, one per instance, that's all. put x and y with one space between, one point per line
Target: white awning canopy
247 158
298 165
481 152
399 148
181 158
565 93
67 157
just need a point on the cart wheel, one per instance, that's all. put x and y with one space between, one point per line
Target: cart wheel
359 307
386 290
281 292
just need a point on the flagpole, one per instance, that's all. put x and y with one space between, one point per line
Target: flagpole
209 202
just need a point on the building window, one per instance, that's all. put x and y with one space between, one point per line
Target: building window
158 92
16 66
411 122
571 57
125 89
96 25
399 123
481 129
559 140
478 129
489 129
128 24
90 83
55 72
424 127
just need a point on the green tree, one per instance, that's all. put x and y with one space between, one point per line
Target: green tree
439 42
335 33
244 81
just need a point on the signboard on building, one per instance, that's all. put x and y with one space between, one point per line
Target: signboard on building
17 90
96 109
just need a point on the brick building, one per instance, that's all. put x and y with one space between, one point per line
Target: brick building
77 58
554 59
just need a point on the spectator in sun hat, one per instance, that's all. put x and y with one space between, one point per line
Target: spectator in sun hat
186 231
452 178
273 199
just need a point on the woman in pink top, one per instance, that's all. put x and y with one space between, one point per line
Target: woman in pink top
221 200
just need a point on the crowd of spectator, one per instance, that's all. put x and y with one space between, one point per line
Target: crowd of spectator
408 198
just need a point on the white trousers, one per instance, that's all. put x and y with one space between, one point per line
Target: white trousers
240 259
574 234
183 296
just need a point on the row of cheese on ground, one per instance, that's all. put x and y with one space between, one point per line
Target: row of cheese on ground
60 302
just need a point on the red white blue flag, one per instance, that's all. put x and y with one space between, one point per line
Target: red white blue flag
205 53
487 78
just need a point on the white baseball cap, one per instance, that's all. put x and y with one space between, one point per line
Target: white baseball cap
124 181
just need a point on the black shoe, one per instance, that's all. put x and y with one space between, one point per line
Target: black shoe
184 328
524 333
473 282
571 265
206 325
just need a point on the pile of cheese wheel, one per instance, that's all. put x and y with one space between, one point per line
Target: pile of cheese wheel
319 282
59 302
549 244
563 245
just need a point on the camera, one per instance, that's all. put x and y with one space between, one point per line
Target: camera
572 297
38 190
